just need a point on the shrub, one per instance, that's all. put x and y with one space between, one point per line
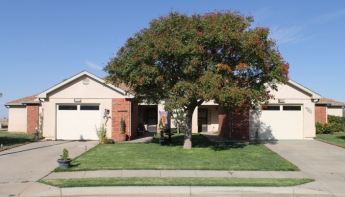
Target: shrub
329 128
182 130
335 124
122 125
65 154
319 128
101 133
335 119
109 141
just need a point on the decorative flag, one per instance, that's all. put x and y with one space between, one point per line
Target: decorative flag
163 116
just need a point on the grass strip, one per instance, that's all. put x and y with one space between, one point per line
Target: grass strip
204 155
14 139
336 138
176 181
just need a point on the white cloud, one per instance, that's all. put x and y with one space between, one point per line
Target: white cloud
286 34
297 33
330 16
93 65
293 34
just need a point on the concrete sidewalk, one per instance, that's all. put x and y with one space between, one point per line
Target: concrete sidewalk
173 191
302 190
176 173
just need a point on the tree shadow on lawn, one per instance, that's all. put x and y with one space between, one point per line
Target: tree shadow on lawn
199 141
341 137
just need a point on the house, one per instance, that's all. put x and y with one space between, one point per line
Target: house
3 123
73 108
20 112
326 107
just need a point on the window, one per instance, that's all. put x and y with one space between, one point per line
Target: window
89 107
291 108
67 107
271 108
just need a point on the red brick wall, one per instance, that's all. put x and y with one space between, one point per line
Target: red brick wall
32 118
120 108
224 124
234 125
321 113
135 115
240 125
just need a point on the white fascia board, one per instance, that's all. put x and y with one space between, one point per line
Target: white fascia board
313 94
44 93
210 102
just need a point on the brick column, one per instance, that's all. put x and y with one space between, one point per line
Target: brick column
134 119
321 113
240 125
32 118
224 123
120 108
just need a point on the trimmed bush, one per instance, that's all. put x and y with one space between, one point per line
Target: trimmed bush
109 141
335 119
335 124
319 128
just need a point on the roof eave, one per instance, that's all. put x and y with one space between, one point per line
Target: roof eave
313 94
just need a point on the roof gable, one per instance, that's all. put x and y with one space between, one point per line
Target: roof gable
80 75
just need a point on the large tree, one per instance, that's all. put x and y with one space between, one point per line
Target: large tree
186 60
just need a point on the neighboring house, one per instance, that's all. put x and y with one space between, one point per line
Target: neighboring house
21 117
73 108
326 107
3 123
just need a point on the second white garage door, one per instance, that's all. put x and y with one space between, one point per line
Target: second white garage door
77 122
281 122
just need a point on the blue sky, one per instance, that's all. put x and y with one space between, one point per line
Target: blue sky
43 42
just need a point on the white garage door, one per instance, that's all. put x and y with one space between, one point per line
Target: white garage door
77 122
281 122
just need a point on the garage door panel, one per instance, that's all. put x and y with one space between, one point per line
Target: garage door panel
279 124
78 124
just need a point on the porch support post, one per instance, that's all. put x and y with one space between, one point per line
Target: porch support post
195 121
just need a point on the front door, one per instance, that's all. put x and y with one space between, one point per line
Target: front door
152 120
202 120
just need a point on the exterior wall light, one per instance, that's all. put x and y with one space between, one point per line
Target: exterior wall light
281 100
315 100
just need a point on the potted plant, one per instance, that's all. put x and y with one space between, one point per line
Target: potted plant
122 136
64 161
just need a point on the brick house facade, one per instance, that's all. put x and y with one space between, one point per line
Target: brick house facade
321 113
234 125
32 118
127 109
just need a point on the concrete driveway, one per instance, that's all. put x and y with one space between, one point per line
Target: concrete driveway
20 167
323 162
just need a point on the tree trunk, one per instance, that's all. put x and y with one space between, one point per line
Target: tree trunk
188 134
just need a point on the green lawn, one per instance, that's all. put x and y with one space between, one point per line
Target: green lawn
336 138
13 139
176 181
204 155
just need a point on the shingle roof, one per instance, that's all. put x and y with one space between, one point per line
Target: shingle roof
28 99
333 102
